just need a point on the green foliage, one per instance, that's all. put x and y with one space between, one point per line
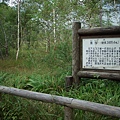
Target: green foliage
95 90
30 60
46 83
59 57
3 77
7 29
22 109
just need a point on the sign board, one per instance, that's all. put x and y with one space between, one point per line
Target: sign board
101 53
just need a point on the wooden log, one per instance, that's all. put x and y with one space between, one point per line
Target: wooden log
64 101
100 31
102 75
1 115
76 52
68 82
68 111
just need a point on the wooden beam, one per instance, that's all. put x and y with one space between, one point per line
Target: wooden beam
100 31
1 113
64 101
76 52
68 82
68 111
106 75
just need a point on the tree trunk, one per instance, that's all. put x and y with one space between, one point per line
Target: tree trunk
54 26
18 47
101 12
5 39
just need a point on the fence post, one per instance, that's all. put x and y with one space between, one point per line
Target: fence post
0 106
68 82
68 112
76 52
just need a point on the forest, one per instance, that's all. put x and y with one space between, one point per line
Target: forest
36 55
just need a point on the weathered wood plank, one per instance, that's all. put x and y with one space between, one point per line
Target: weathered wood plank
65 101
115 30
106 75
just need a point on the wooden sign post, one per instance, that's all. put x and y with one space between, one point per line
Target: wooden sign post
76 52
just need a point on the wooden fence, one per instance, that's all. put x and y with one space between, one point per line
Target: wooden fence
64 101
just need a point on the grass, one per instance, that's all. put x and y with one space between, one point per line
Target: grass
39 71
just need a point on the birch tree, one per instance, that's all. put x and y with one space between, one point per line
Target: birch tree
18 38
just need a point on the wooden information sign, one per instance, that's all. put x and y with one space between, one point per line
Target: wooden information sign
96 52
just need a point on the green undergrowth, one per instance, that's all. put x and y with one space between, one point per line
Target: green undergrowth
94 90
45 72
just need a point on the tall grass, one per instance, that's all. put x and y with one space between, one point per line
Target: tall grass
22 109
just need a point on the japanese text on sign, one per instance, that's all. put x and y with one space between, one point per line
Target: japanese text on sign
101 53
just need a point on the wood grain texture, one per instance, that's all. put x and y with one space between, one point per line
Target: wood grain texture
115 30
68 111
106 75
76 52
64 101
68 82
1 114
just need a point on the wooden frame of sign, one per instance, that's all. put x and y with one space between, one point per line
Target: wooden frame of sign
89 70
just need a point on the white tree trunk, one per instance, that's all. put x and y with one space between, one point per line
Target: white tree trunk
101 12
54 24
18 40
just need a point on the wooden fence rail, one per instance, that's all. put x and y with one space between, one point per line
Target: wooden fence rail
64 101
